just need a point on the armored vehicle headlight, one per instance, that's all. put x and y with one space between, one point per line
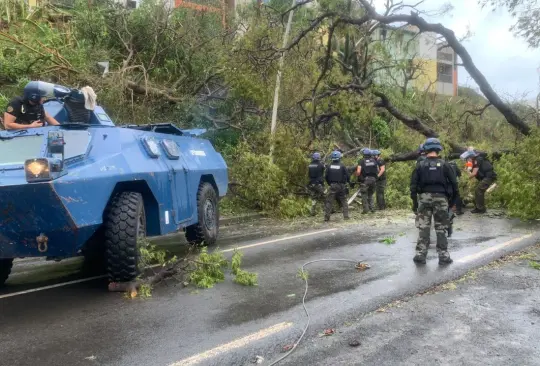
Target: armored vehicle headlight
37 170
37 166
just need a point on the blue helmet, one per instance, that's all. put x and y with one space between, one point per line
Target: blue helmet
421 148
336 155
468 154
432 144
316 156
375 152
365 151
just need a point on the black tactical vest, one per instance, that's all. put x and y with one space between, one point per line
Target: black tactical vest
335 173
432 179
370 167
316 172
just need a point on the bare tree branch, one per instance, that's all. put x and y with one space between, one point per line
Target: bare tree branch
453 42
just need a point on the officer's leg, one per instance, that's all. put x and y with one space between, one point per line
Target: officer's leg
381 185
425 212
459 205
479 195
440 214
364 192
342 198
371 191
450 228
328 203
313 196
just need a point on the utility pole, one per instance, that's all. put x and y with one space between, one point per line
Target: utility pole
278 83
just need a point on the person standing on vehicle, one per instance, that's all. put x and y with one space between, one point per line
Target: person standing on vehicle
429 187
27 111
483 171
368 170
337 177
316 181
381 181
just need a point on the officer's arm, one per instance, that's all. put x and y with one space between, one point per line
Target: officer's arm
473 173
326 174
346 173
358 170
451 177
414 183
382 169
50 119
10 124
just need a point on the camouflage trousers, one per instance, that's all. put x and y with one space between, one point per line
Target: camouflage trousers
316 192
336 192
367 188
436 206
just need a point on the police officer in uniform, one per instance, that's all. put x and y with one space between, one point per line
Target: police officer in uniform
337 177
27 111
429 188
368 170
381 180
316 181
483 171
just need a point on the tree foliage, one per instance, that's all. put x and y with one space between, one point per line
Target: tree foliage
527 17
342 85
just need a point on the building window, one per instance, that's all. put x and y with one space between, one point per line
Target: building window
444 73
445 56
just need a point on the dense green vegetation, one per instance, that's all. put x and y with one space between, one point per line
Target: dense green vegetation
185 67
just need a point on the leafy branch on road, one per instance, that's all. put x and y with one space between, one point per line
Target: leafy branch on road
203 269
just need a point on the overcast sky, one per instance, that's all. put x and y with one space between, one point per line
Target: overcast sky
506 61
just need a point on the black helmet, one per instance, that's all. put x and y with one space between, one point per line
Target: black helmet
35 90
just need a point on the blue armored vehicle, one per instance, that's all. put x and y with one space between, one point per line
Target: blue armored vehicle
88 187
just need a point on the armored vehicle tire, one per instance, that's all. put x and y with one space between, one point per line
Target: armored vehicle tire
206 230
125 223
5 270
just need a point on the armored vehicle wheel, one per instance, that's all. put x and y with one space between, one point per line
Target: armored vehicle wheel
206 230
125 223
5 270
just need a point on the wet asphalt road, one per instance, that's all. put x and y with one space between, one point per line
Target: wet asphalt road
83 324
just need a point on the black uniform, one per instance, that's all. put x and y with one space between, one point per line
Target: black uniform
337 176
369 172
316 183
24 112
486 175
381 186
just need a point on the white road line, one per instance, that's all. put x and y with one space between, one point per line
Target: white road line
492 249
279 240
103 276
241 342
51 286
